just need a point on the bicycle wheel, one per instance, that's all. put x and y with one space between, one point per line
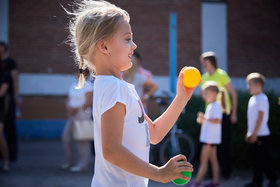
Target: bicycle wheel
186 147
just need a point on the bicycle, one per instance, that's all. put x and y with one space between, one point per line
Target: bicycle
177 141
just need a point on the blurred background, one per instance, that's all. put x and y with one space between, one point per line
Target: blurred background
244 35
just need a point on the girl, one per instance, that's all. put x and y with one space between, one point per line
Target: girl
210 135
77 104
102 39
213 73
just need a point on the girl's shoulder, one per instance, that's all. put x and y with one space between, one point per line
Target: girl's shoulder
108 82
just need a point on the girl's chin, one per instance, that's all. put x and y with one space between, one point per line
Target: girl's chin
129 65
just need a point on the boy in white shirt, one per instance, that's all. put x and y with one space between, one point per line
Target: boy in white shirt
210 134
258 132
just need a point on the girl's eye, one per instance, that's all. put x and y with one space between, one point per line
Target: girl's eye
128 39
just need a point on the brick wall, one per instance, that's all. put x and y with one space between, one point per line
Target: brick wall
38 31
253 37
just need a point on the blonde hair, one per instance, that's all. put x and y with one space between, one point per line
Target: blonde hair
91 22
221 92
211 85
256 77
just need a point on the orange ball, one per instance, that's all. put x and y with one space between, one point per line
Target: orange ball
191 77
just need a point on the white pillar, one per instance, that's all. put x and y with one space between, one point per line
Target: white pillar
4 20
214 30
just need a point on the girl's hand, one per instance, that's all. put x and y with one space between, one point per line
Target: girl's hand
73 111
182 91
173 168
200 118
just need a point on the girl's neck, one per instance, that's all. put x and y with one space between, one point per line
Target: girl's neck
211 71
103 68
108 72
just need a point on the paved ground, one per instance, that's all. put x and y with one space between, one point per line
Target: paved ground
38 166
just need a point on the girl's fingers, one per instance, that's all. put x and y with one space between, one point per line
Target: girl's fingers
179 157
181 169
181 176
183 163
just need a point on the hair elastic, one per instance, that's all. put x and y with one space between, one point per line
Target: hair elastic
81 71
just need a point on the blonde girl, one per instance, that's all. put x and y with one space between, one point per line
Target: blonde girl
102 39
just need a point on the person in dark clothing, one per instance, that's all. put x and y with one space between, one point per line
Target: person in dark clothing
8 65
3 109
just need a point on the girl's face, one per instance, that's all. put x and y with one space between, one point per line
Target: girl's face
254 88
206 64
209 96
121 47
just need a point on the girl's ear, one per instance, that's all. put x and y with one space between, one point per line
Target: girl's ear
101 46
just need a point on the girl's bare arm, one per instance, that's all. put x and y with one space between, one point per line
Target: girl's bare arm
112 123
161 126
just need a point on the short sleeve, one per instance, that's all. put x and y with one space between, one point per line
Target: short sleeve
12 64
113 93
262 105
225 78
216 111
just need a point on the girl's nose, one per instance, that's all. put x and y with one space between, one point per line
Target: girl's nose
134 46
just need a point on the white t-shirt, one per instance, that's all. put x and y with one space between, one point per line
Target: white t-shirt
258 103
77 96
211 133
108 90
138 82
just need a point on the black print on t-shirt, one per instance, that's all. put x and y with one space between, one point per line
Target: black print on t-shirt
141 119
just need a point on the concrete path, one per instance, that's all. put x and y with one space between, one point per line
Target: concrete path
39 166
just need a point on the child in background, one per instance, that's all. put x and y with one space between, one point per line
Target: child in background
102 40
258 132
210 134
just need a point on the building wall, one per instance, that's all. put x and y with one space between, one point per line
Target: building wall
37 36
253 37
38 32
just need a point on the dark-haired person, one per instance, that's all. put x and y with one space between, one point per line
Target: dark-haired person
9 66
213 73
137 59
142 79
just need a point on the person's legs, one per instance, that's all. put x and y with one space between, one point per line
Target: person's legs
225 148
4 148
84 153
11 132
268 166
204 157
214 164
68 143
255 153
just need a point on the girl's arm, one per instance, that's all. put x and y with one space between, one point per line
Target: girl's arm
214 121
161 126
3 89
112 122
233 94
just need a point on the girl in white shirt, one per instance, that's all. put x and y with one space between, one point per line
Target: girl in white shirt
102 39
210 134
78 103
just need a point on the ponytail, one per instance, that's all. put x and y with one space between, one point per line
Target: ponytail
223 101
82 78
